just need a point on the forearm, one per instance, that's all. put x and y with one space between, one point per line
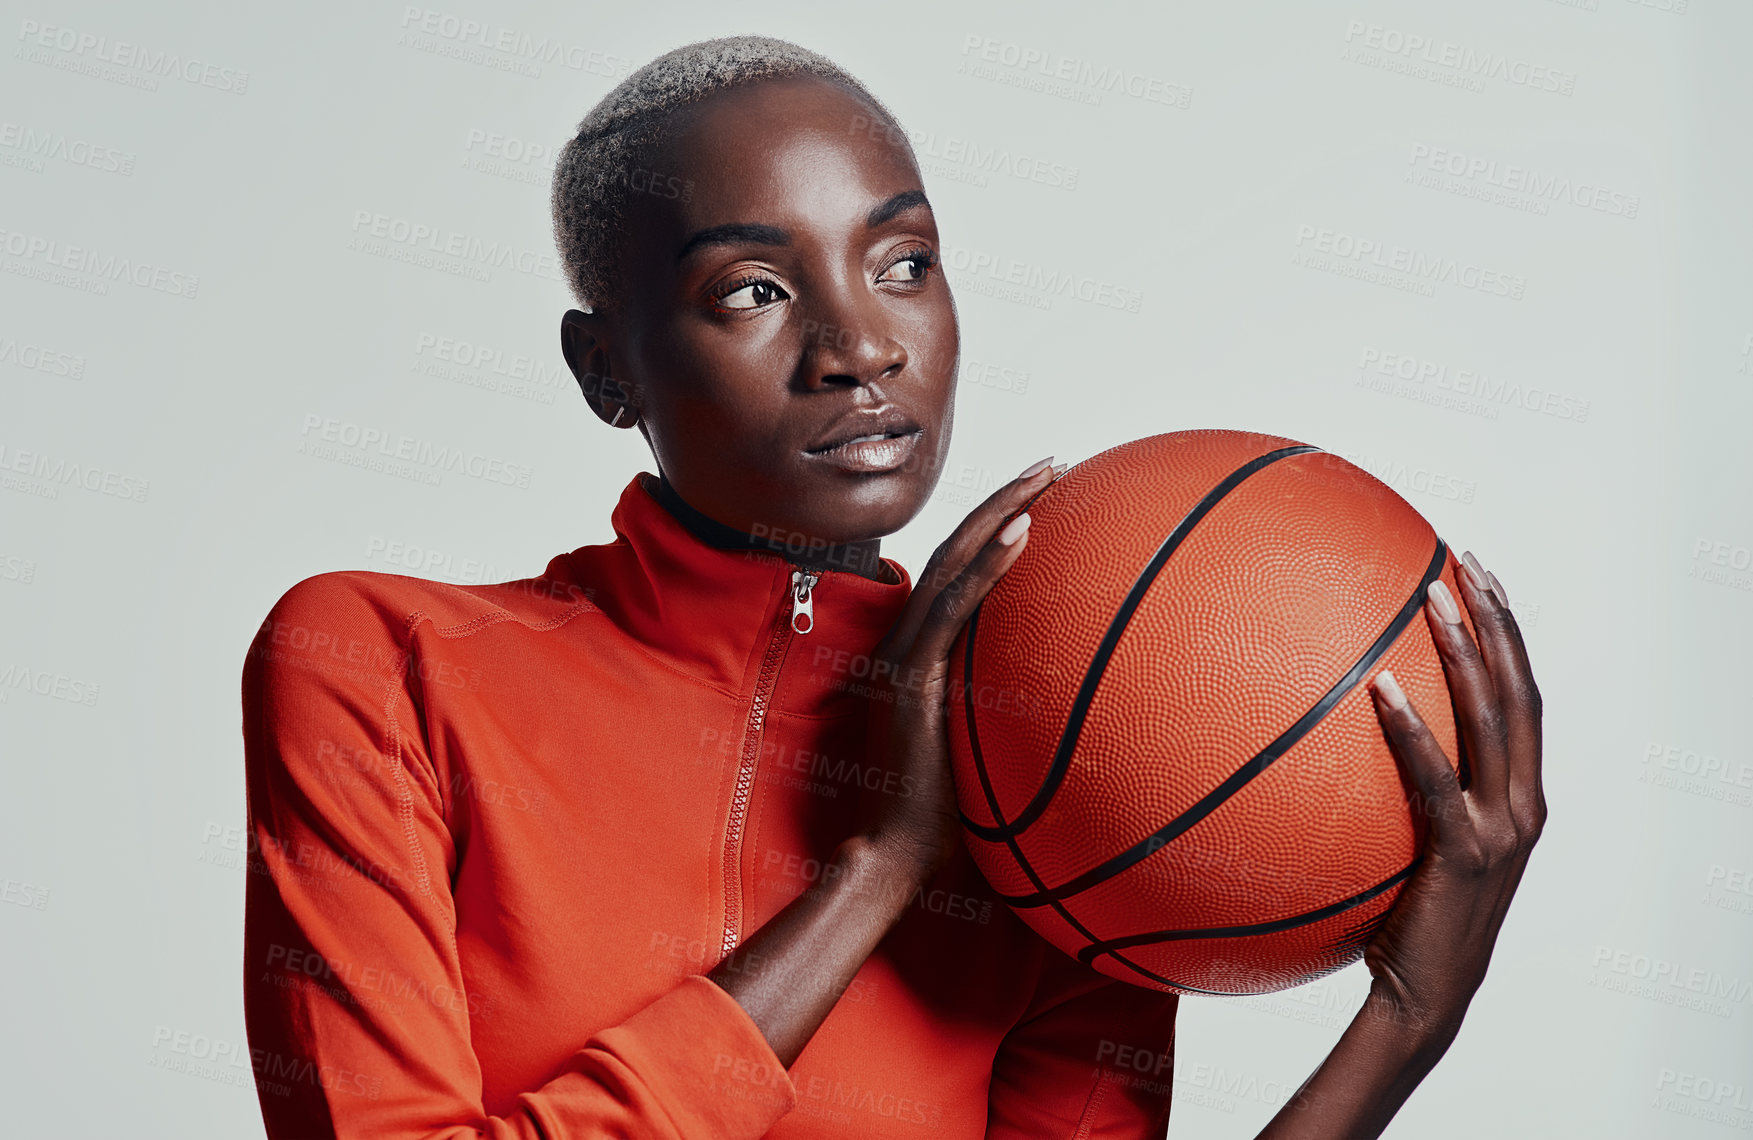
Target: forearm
790 972
1379 1060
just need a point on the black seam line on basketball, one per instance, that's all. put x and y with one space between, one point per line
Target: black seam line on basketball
1096 949
1011 843
1213 799
968 718
1098 665
1156 977
968 689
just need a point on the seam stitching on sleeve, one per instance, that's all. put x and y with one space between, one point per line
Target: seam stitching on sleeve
475 624
393 727
1087 1121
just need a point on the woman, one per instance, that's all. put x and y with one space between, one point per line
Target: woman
629 849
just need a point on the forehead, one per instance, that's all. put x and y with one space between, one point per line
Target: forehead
797 152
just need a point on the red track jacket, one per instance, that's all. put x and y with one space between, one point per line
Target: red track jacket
499 833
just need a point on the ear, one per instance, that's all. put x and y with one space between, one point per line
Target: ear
583 339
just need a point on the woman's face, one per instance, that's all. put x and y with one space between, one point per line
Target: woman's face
780 294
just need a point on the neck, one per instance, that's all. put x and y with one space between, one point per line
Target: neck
861 558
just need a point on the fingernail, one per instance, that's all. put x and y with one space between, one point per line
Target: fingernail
1444 603
1503 599
1475 572
1060 469
1390 689
1035 468
1014 529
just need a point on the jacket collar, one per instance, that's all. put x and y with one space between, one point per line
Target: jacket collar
708 602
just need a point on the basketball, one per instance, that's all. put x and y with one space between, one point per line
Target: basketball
1167 759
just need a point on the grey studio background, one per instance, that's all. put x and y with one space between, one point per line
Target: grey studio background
1495 252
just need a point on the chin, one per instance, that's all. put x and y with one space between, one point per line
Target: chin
863 512
900 503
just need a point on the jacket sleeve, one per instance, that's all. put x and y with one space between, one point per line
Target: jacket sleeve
1090 1059
354 1000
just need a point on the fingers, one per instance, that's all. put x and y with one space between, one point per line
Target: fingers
1479 715
1506 658
1422 759
955 552
956 602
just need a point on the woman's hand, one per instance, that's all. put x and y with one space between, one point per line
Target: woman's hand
1430 954
788 974
919 831
1431 951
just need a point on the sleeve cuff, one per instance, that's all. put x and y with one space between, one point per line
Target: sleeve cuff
703 1058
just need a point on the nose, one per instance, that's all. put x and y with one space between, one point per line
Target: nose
850 343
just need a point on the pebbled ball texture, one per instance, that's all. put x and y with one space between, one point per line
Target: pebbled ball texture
1166 850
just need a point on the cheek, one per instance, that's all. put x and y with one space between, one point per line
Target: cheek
940 455
937 352
934 348
714 389
723 431
945 381
734 433
939 338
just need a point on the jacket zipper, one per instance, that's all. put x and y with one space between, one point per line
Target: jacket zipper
800 619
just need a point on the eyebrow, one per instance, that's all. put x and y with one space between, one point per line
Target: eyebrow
905 200
735 233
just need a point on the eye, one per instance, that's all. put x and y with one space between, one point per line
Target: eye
748 293
920 261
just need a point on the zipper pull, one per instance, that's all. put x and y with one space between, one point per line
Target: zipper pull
803 611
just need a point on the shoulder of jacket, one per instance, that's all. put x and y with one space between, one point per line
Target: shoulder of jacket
355 604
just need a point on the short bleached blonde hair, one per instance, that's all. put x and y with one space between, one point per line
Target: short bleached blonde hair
604 164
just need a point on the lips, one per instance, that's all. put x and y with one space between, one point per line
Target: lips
886 422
